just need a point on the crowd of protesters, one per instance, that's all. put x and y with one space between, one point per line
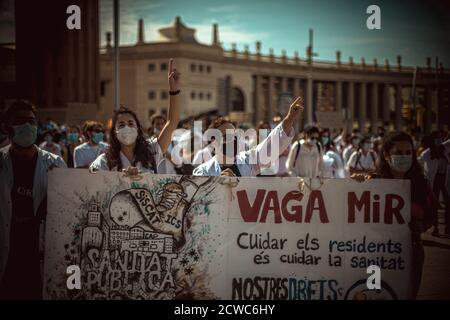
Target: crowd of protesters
30 148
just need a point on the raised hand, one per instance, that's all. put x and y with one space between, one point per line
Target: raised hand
174 77
296 108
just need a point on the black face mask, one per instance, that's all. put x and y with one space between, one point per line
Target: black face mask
235 148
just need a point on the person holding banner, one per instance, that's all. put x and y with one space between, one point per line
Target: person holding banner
364 159
23 193
129 151
398 161
351 148
305 158
248 163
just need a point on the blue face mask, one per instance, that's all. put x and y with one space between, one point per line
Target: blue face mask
401 163
325 140
98 137
73 137
25 135
312 141
367 147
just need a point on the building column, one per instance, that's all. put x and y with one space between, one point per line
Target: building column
270 93
284 85
296 93
309 100
259 109
363 107
374 108
398 107
351 105
338 95
386 103
428 110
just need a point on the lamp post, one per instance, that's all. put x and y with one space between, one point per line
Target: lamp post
116 56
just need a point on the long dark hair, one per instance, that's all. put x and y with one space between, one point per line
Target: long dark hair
330 145
143 151
415 174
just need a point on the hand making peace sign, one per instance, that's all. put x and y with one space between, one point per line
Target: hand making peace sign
296 107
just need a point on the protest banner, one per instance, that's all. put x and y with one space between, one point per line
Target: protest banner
78 113
183 237
330 119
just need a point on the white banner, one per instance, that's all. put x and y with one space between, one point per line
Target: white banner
182 237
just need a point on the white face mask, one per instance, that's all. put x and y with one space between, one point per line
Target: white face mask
127 135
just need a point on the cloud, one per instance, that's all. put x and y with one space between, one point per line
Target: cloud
129 16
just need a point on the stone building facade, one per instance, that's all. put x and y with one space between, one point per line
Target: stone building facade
253 87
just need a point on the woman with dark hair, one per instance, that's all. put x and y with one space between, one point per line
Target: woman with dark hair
333 166
129 149
398 161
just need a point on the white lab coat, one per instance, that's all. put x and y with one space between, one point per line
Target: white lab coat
244 158
430 166
45 162
101 163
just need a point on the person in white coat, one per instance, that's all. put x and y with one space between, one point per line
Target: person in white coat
436 166
23 193
130 152
333 166
305 158
248 163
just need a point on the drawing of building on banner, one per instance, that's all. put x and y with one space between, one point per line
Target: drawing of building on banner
96 230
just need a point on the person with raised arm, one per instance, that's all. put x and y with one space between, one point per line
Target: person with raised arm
227 161
129 151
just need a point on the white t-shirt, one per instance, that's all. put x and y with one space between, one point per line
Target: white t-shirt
101 162
308 163
348 151
85 154
363 162
51 147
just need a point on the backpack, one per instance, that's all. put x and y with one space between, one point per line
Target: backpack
298 150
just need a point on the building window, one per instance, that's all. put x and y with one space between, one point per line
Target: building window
102 88
163 66
208 96
163 95
208 68
200 95
151 67
200 68
192 95
151 95
193 67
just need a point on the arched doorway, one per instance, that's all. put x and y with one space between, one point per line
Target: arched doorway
237 100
